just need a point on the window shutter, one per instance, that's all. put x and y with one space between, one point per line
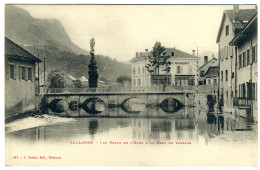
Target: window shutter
20 72
231 51
7 71
226 51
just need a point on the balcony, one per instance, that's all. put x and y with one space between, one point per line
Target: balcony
242 102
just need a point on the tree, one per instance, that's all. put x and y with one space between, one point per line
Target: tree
123 79
157 59
77 84
92 68
56 79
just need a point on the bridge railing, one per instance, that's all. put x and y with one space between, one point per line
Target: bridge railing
76 90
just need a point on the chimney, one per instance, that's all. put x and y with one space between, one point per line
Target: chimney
146 50
193 52
235 13
136 54
205 59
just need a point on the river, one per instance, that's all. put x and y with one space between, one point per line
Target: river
192 129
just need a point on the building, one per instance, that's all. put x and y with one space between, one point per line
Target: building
204 68
212 75
183 72
232 23
20 84
247 67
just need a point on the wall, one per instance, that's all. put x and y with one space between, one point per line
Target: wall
143 76
227 62
19 94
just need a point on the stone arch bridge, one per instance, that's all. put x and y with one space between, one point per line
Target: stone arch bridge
72 102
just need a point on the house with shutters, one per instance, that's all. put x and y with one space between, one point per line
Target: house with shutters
20 82
237 43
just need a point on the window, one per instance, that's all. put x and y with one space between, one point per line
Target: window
134 82
133 71
226 75
139 82
11 71
240 61
253 54
191 82
138 70
221 75
29 73
215 81
244 59
227 30
232 75
248 57
226 93
242 90
178 82
178 69
202 73
22 73
208 81
172 53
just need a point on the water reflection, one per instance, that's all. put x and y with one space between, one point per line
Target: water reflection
133 105
171 105
93 126
194 126
93 105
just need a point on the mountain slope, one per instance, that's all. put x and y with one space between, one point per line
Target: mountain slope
22 28
47 38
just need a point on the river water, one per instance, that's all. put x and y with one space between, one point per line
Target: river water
75 139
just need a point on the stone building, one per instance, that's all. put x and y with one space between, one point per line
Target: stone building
183 73
20 84
233 21
237 42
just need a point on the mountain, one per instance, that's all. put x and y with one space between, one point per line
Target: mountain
48 38
22 28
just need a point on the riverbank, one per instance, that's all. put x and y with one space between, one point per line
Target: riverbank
34 121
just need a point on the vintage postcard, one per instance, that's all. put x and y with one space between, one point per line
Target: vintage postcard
131 85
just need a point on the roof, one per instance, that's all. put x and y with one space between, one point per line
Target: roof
208 63
243 15
249 28
212 72
178 53
83 79
71 77
15 51
169 51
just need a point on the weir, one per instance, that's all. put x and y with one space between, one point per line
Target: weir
116 104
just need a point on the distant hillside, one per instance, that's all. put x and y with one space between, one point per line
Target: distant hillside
47 37
22 28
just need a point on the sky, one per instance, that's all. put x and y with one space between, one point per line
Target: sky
122 30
